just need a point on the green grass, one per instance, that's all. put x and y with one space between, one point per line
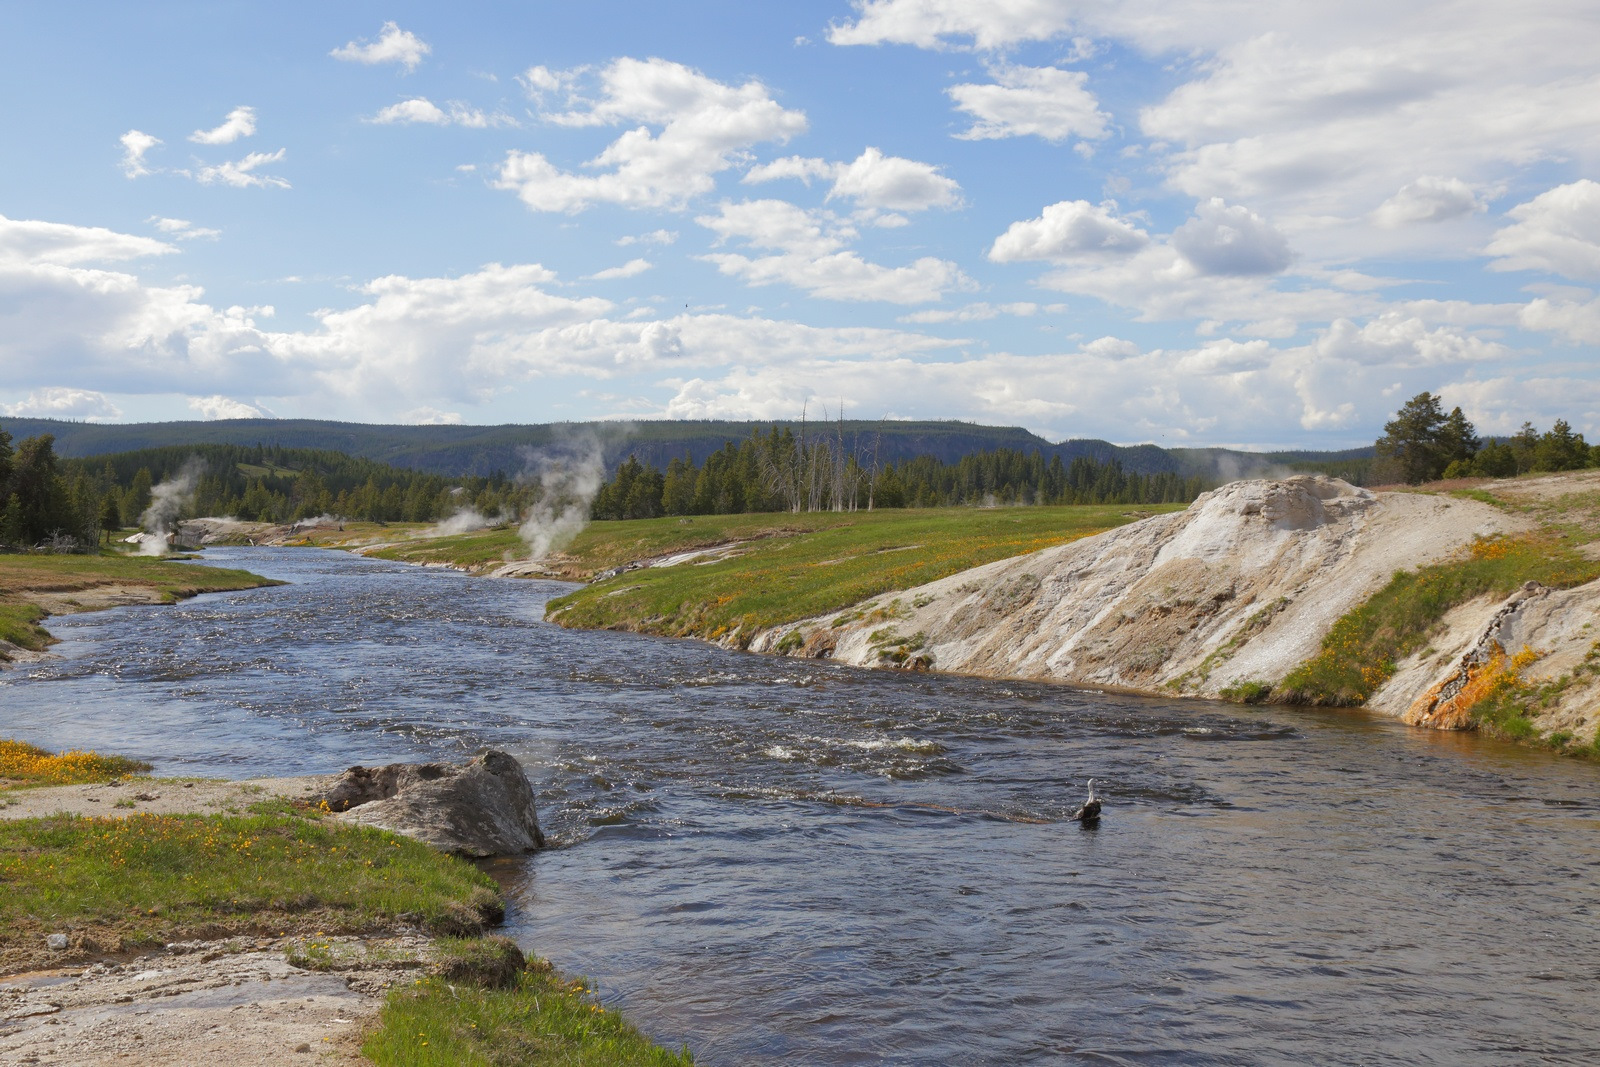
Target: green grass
142 879
1246 693
114 884
1360 653
19 624
21 574
805 565
1510 708
481 548
539 1019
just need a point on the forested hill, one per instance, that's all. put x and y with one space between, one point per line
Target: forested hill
455 451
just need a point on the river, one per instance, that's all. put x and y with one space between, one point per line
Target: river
785 862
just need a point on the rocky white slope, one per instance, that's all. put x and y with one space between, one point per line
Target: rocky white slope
1241 586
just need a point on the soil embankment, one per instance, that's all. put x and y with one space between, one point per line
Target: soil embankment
1239 589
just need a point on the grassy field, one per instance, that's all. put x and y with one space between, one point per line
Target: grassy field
33 586
146 879
795 567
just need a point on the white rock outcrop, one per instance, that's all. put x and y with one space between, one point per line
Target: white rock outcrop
1242 586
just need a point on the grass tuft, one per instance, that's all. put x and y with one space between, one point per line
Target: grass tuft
1247 693
19 625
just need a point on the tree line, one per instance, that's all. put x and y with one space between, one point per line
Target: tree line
1423 443
275 483
43 504
779 470
72 504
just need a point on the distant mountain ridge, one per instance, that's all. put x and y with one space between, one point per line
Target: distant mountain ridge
482 450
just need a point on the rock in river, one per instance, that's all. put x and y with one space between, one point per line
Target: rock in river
483 807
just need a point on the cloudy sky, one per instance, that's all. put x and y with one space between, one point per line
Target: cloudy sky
1216 222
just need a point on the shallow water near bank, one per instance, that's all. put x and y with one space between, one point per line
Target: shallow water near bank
786 862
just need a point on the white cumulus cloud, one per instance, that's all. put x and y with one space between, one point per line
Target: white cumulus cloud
182 229
135 143
812 255
894 183
1428 199
393 45
1231 239
654 237
222 407
875 181
241 173
31 242
1068 230
937 23
1575 321
631 269
430 416
1042 102
420 109
1557 231
689 128
61 403
240 122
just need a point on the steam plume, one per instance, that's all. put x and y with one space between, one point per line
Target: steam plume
167 501
464 521
569 475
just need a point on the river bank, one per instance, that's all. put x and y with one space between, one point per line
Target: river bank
232 919
34 587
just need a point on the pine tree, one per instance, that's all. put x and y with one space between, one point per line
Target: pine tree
110 515
1413 448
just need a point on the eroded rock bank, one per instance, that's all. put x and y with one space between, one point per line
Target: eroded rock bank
1239 588
1537 637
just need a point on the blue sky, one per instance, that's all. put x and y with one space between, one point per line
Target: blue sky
1211 223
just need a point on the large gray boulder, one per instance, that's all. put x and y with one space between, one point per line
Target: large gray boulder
483 807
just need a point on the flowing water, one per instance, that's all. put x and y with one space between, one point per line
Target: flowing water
782 862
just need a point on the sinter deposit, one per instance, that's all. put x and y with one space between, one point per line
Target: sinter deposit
1544 635
1240 587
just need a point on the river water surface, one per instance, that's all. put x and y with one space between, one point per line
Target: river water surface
783 862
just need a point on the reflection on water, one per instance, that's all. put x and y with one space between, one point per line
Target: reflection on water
786 862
